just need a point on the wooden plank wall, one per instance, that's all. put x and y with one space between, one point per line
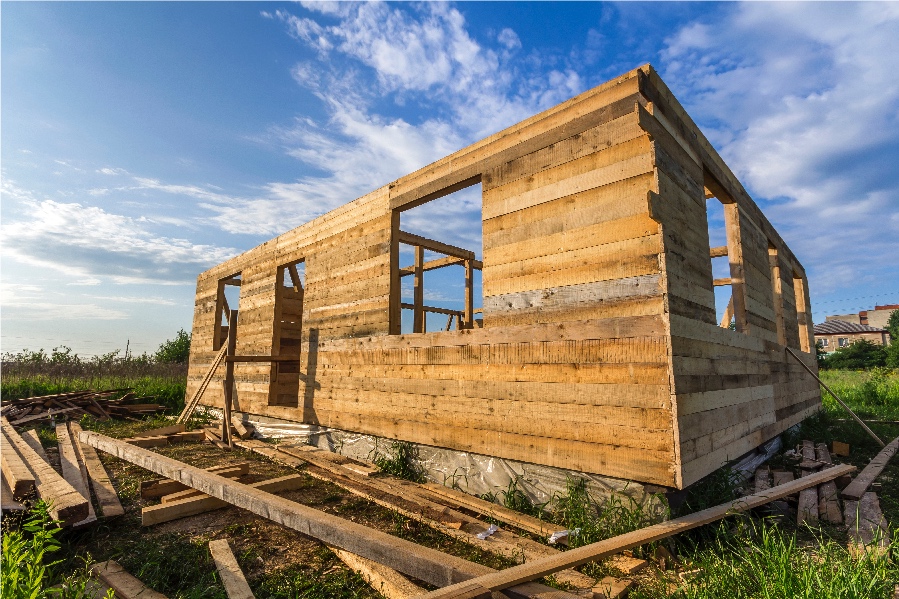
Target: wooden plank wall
732 390
599 352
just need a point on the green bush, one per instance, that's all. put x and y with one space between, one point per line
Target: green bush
174 351
857 356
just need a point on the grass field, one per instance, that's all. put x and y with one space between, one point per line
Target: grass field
745 556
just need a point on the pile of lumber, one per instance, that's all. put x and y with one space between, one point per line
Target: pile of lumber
75 404
860 512
27 473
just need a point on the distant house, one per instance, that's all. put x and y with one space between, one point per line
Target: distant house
834 334
877 317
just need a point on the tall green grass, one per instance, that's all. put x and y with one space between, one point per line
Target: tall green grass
764 561
871 393
29 374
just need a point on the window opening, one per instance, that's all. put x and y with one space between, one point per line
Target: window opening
802 313
777 293
725 253
288 332
227 299
439 282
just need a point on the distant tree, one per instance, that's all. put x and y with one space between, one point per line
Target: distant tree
858 356
893 325
892 352
175 350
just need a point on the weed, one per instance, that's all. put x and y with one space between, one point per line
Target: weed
598 520
719 487
25 570
516 499
401 461
765 561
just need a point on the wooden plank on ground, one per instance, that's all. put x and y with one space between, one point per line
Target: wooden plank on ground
828 497
188 493
867 526
423 563
159 487
18 476
73 470
860 484
612 588
386 581
68 505
192 506
124 584
530 524
110 506
165 430
596 551
232 577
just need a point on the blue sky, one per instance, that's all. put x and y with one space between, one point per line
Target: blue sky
144 142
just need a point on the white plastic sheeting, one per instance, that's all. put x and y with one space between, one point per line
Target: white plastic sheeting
472 473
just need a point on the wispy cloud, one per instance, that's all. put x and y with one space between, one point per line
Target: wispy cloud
803 101
89 243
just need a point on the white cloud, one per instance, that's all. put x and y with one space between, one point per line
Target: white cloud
509 39
112 171
803 101
88 243
43 311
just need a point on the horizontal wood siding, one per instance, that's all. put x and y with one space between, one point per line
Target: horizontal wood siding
599 350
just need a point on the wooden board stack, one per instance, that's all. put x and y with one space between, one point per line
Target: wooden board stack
598 350
99 404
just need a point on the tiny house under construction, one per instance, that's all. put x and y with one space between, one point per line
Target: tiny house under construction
596 346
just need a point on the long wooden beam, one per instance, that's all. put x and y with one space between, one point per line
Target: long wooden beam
856 489
230 574
602 549
423 563
434 246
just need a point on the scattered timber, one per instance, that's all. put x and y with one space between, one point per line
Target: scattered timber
162 440
860 484
165 430
386 581
16 473
106 495
581 555
828 497
866 525
159 487
74 471
191 506
68 505
7 503
422 563
231 575
124 584
99 404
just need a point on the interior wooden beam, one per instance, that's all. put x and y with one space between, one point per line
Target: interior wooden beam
441 263
469 295
433 309
418 292
601 549
435 246
423 563
718 252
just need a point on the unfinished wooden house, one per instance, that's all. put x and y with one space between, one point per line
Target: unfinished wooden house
596 346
